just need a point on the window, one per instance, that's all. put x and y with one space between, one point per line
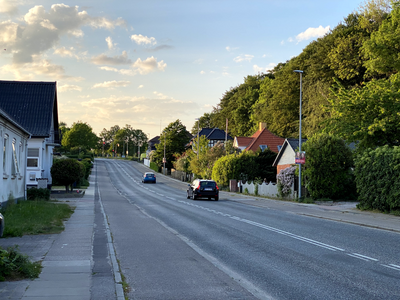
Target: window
5 145
279 148
33 158
14 163
263 147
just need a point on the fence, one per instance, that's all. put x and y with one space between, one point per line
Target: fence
266 189
182 176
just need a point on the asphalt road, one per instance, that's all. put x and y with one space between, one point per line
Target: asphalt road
170 247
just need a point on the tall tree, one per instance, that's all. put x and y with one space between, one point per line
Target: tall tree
369 114
80 135
174 137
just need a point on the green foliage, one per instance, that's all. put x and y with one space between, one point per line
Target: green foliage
377 174
14 265
328 168
67 171
175 137
80 135
245 166
236 106
382 50
35 217
369 114
154 166
38 194
206 121
246 191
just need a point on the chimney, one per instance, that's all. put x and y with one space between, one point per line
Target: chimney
262 126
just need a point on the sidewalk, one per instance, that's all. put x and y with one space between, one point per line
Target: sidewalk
67 257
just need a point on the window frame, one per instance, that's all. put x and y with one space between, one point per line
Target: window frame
32 158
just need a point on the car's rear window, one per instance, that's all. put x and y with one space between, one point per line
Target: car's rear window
209 184
149 175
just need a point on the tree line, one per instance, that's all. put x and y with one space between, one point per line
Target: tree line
350 85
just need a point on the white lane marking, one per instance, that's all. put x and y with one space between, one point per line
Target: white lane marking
276 230
392 266
360 256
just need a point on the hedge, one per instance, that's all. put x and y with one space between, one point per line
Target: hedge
154 166
377 177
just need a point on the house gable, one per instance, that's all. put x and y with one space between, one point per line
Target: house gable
265 138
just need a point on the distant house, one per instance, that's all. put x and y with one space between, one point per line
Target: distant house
151 144
261 139
34 106
13 140
286 156
213 135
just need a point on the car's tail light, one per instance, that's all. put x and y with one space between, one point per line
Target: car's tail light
217 187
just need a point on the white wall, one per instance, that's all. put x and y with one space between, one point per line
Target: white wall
13 179
288 157
42 170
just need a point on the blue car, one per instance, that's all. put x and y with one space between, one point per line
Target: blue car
149 177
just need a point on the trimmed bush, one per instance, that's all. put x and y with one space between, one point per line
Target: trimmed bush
67 171
328 172
35 194
377 176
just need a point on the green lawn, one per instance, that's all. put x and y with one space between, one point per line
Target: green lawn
35 217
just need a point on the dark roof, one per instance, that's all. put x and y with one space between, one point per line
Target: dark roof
9 119
31 104
213 134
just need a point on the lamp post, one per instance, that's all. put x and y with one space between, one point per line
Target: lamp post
198 137
301 73
164 154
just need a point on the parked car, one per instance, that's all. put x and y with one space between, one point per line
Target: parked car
149 177
202 188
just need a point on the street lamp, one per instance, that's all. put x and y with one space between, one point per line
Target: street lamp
164 160
301 73
198 137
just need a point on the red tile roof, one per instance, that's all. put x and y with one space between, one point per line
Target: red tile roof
243 141
265 137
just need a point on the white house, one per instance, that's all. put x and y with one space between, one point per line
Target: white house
13 141
34 106
287 153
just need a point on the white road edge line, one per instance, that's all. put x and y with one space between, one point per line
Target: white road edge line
117 275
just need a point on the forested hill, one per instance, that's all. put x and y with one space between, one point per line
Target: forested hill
350 84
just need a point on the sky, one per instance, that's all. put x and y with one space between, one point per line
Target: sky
148 63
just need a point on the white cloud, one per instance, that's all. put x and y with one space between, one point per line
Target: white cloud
311 33
258 69
140 86
202 72
9 7
38 67
64 52
68 87
110 44
103 111
148 65
103 59
140 39
229 49
40 30
111 84
245 57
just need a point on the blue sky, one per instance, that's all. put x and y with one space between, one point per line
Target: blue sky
148 63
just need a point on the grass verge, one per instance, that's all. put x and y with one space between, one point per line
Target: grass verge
35 217
16 266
